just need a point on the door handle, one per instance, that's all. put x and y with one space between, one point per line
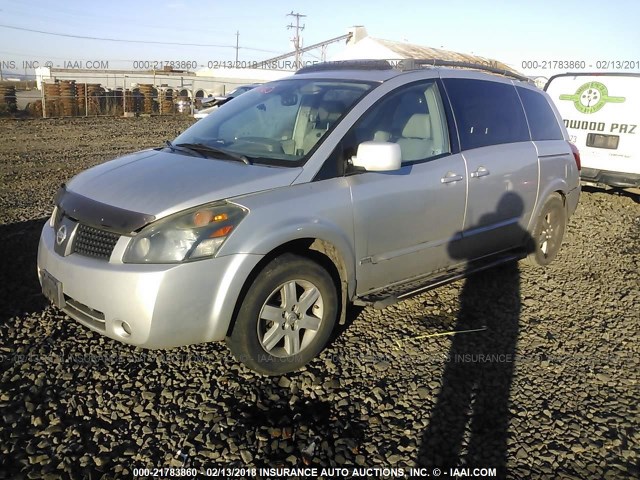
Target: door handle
451 177
480 172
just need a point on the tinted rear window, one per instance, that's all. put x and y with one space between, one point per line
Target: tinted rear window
487 113
542 121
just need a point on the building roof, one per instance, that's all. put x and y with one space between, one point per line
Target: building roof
364 47
410 50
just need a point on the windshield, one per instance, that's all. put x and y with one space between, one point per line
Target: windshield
277 123
238 91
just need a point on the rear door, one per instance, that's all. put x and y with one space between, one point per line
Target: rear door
501 162
555 158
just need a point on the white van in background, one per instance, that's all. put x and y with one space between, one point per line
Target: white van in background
602 114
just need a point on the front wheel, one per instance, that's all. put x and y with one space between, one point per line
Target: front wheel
548 232
286 317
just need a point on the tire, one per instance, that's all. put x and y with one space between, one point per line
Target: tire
548 232
286 317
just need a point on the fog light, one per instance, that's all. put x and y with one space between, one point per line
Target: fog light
123 329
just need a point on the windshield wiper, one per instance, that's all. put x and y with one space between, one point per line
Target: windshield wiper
179 148
204 149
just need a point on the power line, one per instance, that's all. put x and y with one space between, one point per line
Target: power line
306 49
147 42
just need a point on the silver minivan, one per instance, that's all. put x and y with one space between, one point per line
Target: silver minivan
352 182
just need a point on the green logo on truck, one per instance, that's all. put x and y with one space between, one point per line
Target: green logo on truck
591 97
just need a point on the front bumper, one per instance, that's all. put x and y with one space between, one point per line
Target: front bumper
163 306
613 179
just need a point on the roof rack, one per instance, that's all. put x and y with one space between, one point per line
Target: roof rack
407 64
414 64
347 65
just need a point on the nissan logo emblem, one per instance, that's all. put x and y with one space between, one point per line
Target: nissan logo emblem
61 234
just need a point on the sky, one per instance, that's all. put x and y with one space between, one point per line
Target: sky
516 33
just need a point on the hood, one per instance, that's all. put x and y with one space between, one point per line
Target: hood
160 183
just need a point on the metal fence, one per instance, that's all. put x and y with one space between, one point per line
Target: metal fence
70 99
126 94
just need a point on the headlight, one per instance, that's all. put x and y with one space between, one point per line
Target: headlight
195 233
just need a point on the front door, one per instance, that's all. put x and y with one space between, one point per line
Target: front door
404 220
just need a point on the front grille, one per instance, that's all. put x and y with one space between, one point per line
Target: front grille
92 242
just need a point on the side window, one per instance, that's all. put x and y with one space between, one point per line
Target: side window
324 112
412 116
487 113
542 121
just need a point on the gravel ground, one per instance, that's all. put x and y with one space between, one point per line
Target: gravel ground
546 386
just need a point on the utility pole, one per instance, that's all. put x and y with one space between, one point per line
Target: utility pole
296 39
237 45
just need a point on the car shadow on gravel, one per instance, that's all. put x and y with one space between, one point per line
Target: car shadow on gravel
632 193
469 424
20 286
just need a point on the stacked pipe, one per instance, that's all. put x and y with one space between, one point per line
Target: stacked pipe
113 102
66 98
184 107
68 103
8 98
148 93
129 101
35 109
166 102
52 99
88 98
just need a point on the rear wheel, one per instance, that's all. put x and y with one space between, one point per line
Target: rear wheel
548 232
286 317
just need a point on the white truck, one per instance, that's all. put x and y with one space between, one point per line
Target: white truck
602 114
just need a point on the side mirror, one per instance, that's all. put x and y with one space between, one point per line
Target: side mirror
378 156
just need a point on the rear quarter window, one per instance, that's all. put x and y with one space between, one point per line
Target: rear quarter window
542 121
487 113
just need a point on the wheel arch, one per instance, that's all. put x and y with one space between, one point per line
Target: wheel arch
560 187
318 250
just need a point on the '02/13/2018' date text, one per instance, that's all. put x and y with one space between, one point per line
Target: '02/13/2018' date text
580 64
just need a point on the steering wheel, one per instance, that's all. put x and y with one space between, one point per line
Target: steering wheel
266 144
